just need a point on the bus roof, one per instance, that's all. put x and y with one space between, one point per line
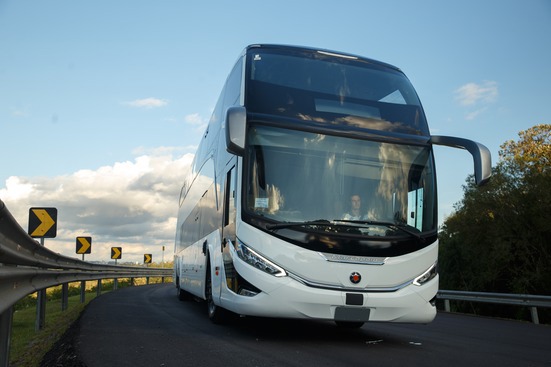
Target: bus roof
322 51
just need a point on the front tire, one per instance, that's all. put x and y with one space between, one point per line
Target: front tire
216 313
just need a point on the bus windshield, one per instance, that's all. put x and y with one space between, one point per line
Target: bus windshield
298 177
314 86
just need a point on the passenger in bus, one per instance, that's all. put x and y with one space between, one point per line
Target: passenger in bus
355 209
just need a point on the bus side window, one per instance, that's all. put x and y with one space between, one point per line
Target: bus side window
233 86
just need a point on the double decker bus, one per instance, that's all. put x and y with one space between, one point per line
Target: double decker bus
312 193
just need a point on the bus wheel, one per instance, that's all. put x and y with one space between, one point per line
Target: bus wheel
216 313
349 324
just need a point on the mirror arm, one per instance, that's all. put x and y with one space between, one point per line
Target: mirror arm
481 155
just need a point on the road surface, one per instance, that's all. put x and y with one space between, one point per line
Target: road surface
148 326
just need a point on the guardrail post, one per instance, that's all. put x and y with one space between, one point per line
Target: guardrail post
64 296
534 313
40 304
82 291
447 305
147 280
132 281
98 288
6 319
115 284
40 310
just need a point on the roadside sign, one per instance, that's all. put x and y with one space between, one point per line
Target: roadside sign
42 222
147 258
116 253
84 245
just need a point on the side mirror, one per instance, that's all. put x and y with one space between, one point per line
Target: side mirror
481 155
236 127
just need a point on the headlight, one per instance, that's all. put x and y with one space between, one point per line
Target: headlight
427 275
254 259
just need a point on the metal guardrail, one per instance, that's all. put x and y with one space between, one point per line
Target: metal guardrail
27 267
527 300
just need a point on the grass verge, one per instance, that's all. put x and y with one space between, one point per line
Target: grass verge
28 346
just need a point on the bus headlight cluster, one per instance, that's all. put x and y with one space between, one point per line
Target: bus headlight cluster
254 259
427 275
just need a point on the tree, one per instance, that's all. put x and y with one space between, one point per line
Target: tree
498 239
531 155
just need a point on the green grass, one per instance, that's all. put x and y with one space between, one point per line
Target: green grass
28 346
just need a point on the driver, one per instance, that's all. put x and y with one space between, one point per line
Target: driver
355 209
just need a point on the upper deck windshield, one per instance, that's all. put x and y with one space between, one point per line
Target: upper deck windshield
348 187
320 87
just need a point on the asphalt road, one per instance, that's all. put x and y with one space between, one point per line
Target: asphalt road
148 326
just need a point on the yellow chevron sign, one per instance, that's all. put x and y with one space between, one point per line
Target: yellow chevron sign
116 253
42 222
147 258
84 245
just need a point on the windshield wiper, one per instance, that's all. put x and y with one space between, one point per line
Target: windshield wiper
390 225
337 222
319 222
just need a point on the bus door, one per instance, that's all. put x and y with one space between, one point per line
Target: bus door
228 227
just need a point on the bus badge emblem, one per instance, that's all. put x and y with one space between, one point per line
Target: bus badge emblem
355 277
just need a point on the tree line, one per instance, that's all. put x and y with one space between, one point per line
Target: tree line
499 237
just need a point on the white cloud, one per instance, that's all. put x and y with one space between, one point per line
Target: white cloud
159 151
19 113
476 97
16 189
197 121
131 204
148 103
473 93
474 114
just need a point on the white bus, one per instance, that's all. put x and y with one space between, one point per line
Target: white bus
265 224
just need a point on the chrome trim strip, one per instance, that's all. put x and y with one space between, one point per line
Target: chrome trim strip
338 55
350 259
339 288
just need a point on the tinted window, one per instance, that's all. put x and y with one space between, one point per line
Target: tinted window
327 89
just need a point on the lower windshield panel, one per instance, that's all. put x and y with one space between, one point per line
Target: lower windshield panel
365 190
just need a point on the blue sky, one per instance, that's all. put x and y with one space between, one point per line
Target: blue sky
102 102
